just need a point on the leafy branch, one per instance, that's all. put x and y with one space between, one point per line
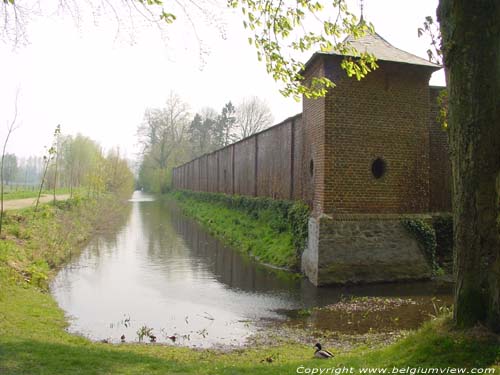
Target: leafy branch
274 28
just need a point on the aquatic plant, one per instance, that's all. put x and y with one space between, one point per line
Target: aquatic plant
144 331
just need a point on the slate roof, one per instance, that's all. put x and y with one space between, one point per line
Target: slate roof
384 51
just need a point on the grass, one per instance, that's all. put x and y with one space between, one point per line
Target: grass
260 236
21 194
33 339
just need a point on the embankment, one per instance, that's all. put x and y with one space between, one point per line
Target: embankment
272 231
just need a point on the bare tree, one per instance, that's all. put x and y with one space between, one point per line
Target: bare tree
253 115
129 16
162 135
10 128
51 154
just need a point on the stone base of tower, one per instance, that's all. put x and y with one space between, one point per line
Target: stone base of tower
362 250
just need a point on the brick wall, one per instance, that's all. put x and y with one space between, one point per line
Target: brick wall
313 163
267 164
325 155
386 116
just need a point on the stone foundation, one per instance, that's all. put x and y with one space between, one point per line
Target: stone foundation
362 251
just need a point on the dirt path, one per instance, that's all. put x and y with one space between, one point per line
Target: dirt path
16 204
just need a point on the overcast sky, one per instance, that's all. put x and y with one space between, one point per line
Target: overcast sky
92 81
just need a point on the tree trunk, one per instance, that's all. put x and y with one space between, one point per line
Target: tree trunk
471 48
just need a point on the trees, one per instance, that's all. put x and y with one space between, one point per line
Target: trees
471 50
225 126
10 167
162 136
252 116
10 128
201 132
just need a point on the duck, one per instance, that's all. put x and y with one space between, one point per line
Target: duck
322 353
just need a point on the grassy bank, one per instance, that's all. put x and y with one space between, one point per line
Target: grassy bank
33 339
272 231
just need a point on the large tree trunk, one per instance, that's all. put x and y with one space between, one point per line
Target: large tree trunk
471 47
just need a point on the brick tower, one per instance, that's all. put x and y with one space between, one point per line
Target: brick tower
366 150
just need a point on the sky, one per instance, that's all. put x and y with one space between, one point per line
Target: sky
97 76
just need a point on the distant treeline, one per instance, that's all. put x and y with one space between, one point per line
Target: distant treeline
171 135
72 162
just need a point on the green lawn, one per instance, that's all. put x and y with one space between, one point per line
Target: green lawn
20 194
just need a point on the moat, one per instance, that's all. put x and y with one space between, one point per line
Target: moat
163 271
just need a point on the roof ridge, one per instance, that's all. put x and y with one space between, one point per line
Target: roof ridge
388 53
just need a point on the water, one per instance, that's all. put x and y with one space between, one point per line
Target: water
162 271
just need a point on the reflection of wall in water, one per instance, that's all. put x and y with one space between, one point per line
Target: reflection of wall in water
234 270
228 266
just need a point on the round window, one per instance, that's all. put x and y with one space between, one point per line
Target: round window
378 168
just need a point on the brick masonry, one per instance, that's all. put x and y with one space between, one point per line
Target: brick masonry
325 157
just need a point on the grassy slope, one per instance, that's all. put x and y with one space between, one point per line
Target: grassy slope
33 339
252 236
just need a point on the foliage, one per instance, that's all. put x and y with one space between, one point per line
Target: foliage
442 117
426 236
144 331
162 136
431 29
35 245
224 127
201 137
277 30
284 213
10 167
51 154
168 137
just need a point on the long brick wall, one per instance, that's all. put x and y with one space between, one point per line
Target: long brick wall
325 156
267 164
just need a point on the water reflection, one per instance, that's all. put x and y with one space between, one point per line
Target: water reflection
161 270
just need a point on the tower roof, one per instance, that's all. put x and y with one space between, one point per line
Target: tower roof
383 50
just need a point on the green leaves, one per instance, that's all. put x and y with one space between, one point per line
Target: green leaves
425 235
442 117
280 31
167 17
359 67
431 30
